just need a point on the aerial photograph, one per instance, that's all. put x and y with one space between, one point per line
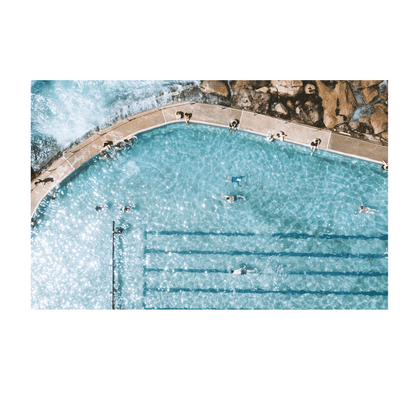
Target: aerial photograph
209 194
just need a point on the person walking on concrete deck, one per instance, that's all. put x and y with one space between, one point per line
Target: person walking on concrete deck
242 270
233 124
126 208
231 198
314 145
44 180
236 179
366 209
187 118
179 115
385 166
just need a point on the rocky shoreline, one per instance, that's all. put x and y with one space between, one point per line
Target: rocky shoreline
356 108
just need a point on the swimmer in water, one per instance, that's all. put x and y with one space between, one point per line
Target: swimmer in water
119 230
187 118
314 145
385 166
366 209
236 179
231 198
242 270
126 208
233 124
100 208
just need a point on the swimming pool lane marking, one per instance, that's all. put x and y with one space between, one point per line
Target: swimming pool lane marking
261 291
292 273
279 235
329 139
267 254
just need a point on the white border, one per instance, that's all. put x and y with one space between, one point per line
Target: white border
26 316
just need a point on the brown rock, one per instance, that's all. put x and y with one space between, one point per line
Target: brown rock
379 118
369 93
260 84
281 109
385 135
310 89
384 96
339 104
366 84
354 125
218 87
365 120
311 112
355 84
263 89
259 102
247 85
288 88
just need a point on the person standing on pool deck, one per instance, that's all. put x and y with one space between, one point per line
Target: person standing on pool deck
44 181
231 198
108 144
314 145
366 209
179 115
236 179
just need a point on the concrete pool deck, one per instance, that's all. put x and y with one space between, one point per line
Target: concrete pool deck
211 114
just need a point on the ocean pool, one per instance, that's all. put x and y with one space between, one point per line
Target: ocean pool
298 228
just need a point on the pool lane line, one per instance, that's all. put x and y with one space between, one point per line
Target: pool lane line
267 254
262 291
290 273
280 235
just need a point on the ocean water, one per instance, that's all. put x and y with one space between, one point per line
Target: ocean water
297 228
63 111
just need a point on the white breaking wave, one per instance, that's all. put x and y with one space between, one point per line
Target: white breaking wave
64 111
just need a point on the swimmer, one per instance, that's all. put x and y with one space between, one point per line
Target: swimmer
100 208
385 166
119 230
187 118
236 179
44 180
126 208
108 144
53 196
179 115
106 156
366 209
242 270
233 124
314 145
231 198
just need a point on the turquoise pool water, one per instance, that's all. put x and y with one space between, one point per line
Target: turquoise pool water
298 228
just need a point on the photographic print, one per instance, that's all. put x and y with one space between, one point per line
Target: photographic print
209 194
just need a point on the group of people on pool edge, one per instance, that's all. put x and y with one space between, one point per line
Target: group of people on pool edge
109 144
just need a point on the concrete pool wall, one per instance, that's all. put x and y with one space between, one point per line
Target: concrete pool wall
211 114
